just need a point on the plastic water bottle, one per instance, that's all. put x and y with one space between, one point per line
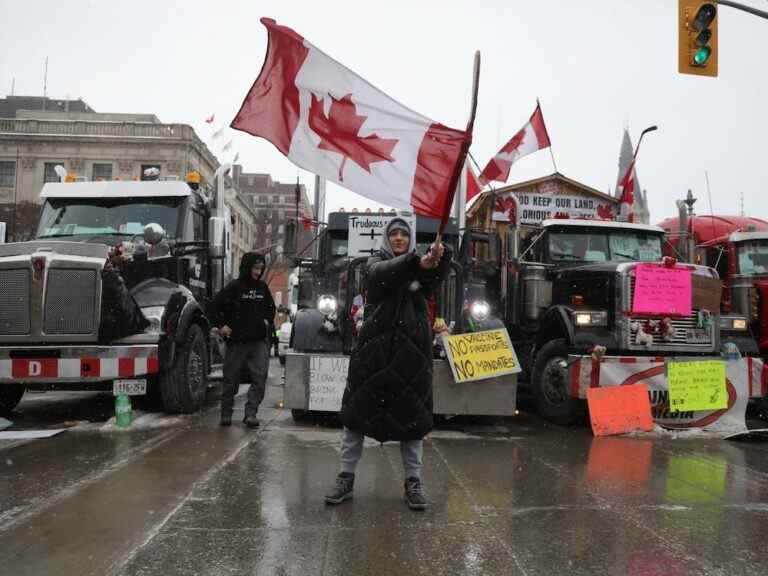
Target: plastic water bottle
123 414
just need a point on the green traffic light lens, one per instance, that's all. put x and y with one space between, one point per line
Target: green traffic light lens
702 55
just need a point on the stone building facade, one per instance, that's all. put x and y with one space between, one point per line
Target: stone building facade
275 206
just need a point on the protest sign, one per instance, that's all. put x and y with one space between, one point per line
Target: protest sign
327 380
619 409
481 355
697 385
662 291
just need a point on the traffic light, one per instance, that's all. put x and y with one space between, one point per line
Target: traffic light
697 38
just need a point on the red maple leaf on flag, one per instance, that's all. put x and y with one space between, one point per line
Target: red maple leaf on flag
339 133
604 212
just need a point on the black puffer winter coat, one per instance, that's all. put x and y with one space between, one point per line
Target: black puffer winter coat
389 386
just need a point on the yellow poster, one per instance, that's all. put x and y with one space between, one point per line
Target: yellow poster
481 355
698 385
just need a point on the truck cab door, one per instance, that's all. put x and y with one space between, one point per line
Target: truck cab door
481 262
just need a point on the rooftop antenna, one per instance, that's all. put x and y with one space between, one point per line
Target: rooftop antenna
709 196
13 85
741 202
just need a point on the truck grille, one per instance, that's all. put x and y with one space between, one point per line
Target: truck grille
681 324
70 301
14 302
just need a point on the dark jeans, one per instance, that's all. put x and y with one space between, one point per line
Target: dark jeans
245 362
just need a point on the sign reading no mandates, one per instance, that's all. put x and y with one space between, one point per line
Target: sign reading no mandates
481 355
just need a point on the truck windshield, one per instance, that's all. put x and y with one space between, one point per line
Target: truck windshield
753 257
620 246
107 216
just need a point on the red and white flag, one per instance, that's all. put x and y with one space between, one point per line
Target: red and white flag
474 187
627 194
330 121
531 137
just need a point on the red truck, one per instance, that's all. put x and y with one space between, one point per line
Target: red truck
737 247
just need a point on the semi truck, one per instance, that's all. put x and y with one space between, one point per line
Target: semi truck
113 291
737 247
330 303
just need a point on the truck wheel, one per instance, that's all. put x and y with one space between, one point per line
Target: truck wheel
299 415
550 384
10 396
184 384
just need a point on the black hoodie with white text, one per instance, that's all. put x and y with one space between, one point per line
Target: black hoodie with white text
246 305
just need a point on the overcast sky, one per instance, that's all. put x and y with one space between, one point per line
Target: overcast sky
596 65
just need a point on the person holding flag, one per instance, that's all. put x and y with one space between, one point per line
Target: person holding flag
333 123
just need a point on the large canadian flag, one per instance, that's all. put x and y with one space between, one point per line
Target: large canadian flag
530 138
330 121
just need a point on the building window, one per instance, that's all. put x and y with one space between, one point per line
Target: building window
262 199
7 174
145 167
49 172
276 199
102 172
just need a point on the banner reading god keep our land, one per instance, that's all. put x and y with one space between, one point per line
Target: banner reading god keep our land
481 355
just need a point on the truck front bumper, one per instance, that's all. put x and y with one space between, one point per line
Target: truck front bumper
70 364
586 372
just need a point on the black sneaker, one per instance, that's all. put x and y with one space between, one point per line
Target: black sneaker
414 494
251 421
345 482
225 420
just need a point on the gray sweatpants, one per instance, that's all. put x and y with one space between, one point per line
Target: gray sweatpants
352 450
245 362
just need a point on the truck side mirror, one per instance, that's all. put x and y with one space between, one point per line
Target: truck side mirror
153 234
216 240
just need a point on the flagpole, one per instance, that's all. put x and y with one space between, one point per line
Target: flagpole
551 151
458 169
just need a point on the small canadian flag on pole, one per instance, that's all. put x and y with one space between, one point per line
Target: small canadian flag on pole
530 138
330 121
627 194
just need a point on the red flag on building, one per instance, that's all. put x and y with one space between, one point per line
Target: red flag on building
530 138
209 120
330 121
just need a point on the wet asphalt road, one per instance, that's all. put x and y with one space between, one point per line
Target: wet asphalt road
516 497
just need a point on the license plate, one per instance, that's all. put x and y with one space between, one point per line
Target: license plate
136 387
697 336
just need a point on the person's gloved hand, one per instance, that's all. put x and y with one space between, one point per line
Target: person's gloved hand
225 331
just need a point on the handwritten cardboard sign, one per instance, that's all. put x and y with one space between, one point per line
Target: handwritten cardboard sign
662 291
706 293
697 385
481 355
327 380
619 409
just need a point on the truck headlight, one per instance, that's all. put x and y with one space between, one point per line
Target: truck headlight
584 319
155 315
737 323
327 305
480 310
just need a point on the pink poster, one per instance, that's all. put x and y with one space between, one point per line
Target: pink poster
662 291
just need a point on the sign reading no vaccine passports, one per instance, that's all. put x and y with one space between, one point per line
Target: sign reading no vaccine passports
481 355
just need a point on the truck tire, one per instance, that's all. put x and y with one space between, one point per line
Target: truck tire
10 396
183 385
550 385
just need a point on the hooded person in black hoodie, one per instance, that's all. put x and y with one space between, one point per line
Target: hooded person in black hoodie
244 312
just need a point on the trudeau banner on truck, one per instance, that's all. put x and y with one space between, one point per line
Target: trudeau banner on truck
330 121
